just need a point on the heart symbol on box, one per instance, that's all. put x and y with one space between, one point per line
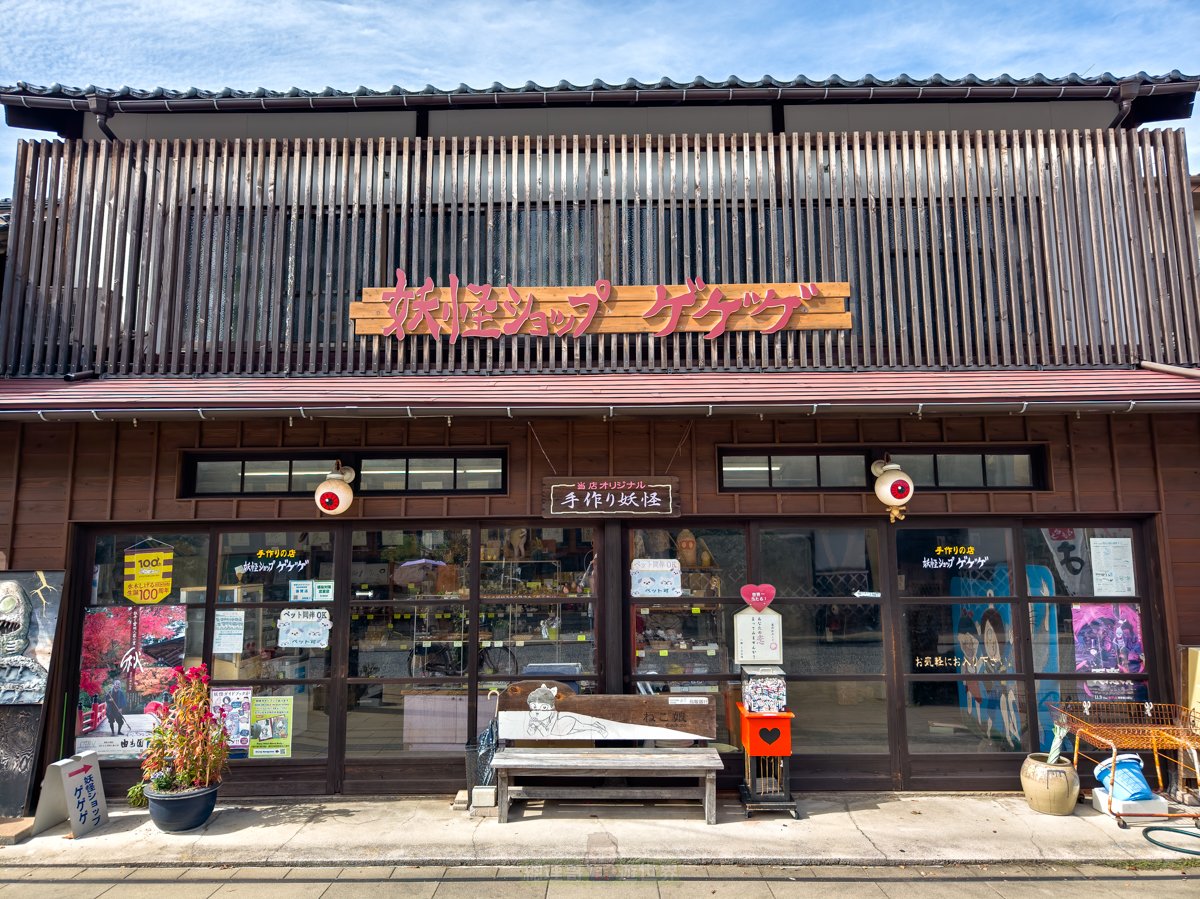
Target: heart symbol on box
769 735
758 596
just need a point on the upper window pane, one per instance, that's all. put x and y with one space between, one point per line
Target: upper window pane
959 470
1008 470
430 474
545 563
742 472
843 471
918 467
307 474
266 477
1077 561
791 472
479 474
218 477
384 474
953 562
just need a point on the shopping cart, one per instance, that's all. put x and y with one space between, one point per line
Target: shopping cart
1171 732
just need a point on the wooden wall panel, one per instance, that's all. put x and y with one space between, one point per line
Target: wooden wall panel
52 475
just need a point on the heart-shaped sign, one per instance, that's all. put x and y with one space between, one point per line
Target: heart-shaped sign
758 596
769 735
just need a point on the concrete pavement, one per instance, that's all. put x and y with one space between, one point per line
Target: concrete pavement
578 882
835 829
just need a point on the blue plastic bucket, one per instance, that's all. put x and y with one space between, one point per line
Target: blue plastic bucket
1128 783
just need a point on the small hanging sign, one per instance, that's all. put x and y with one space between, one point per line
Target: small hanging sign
758 596
148 571
757 638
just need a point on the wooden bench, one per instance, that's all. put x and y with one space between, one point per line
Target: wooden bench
538 717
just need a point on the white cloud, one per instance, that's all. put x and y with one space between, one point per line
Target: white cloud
317 43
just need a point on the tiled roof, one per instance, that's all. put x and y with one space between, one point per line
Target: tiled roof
800 88
693 394
834 82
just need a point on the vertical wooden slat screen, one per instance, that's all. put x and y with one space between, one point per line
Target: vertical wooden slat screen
234 257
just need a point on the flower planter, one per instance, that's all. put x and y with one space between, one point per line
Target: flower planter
187 810
1049 789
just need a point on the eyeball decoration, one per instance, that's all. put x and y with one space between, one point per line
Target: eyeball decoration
893 487
334 495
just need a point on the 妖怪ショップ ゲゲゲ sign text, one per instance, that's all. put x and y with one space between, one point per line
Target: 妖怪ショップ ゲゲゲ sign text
484 310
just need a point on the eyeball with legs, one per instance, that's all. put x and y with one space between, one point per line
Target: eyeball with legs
893 487
334 494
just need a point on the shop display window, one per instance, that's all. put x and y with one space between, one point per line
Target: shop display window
1051 692
1078 561
390 720
256 643
1087 638
681 639
410 564
712 561
831 638
523 562
288 721
145 616
953 561
538 638
966 716
267 566
846 716
960 638
820 562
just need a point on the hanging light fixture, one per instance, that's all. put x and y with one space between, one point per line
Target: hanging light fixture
893 487
334 494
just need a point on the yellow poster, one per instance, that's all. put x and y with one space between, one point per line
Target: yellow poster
148 575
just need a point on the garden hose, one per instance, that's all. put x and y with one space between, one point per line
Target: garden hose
1187 832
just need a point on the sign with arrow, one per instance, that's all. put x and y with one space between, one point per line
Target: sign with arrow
72 791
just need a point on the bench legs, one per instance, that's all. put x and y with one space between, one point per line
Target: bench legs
502 796
710 798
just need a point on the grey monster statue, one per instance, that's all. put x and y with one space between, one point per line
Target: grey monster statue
22 679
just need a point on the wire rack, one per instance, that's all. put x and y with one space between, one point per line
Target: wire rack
1169 731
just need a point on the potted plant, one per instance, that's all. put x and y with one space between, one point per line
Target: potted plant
1049 780
187 753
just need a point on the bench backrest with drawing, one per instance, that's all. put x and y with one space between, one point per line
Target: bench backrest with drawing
535 710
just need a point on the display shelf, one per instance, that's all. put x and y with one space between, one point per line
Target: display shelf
684 637
528 579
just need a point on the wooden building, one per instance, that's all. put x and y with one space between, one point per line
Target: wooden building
688 319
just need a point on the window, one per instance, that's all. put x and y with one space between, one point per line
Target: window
792 471
1021 468
275 474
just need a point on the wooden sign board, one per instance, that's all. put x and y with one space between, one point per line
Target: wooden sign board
550 710
620 497
757 637
72 791
489 311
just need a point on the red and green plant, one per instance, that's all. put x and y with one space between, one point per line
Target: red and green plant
189 746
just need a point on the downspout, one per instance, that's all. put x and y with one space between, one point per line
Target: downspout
98 106
1129 92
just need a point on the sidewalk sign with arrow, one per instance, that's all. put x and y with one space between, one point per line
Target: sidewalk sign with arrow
72 791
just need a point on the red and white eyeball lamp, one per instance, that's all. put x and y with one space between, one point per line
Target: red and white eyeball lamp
893 487
334 494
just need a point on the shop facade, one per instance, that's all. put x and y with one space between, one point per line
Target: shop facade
197 331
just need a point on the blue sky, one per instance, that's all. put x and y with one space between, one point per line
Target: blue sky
316 43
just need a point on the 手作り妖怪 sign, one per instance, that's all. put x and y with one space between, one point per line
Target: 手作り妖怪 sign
634 497
484 310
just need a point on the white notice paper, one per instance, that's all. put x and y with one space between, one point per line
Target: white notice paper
757 637
228 629
1112 566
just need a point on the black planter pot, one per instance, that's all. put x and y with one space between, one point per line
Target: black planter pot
174 812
